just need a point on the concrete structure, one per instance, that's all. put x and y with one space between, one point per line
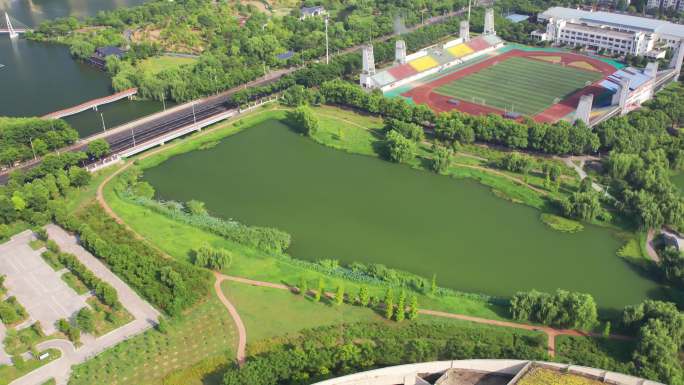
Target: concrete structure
583 112
368 65
614 33
312 11
464 30
400 52
678 58
129 93
489 28
495 372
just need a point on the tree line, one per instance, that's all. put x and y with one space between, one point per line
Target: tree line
25 138
327 352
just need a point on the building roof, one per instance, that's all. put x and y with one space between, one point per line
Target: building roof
616 20
285 55
517 18
602 31
109 50
638 78
312 10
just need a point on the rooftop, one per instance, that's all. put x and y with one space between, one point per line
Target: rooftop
616 20
603 31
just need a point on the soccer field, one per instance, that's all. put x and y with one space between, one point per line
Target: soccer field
518 84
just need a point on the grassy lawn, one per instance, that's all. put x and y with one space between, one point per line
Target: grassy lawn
75 283
10 372
158 64
502 85
203 332
269 312
542 376
36 244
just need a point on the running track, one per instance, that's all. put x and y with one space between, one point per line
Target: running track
424 94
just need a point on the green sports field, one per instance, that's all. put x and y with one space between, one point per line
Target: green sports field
518 84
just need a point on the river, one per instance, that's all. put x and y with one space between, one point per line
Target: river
39 78
359 208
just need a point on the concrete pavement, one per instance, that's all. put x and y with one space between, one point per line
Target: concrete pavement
145 317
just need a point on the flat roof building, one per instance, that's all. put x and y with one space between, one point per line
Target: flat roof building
611 32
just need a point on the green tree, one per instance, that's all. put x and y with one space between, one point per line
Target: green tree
86 320
364 296
303 120
319 291
389 303
433 285
413 308
303 286
401 307
399 149
339 295
98 148
441 159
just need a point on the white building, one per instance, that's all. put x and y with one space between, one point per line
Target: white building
611 32
666 4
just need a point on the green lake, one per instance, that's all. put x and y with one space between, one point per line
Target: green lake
359 208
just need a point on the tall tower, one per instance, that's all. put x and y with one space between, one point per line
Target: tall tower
623 94
368 60
489 22
677 59
651 69
464 30
400 52
583 112
12 32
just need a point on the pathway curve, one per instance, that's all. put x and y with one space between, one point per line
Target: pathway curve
242 333
241 330
652 253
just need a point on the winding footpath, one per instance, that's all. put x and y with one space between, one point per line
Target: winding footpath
550 332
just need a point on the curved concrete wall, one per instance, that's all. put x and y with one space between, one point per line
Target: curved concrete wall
407 374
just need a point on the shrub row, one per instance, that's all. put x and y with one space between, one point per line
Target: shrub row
104 291
168 284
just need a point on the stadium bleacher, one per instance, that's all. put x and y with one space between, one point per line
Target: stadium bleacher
432 57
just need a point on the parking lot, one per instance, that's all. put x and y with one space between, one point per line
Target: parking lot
37 287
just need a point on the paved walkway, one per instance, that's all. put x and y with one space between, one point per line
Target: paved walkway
145 316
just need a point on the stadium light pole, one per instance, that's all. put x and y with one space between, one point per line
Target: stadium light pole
104 128
327 49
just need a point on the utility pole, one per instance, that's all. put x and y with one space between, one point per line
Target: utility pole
104 128
327 48
32 149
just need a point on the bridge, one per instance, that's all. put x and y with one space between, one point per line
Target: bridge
9 29
91 104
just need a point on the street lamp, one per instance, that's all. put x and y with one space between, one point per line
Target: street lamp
194 118
133 134
104 128
32 149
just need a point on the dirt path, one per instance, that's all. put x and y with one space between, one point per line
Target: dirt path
652 253
502 174
241 330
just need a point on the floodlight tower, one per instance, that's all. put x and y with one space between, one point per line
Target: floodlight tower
327 46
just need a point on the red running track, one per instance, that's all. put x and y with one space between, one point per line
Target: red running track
424 94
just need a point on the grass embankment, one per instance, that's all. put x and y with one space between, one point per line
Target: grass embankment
561 224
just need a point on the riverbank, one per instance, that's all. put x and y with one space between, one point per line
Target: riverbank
211 142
